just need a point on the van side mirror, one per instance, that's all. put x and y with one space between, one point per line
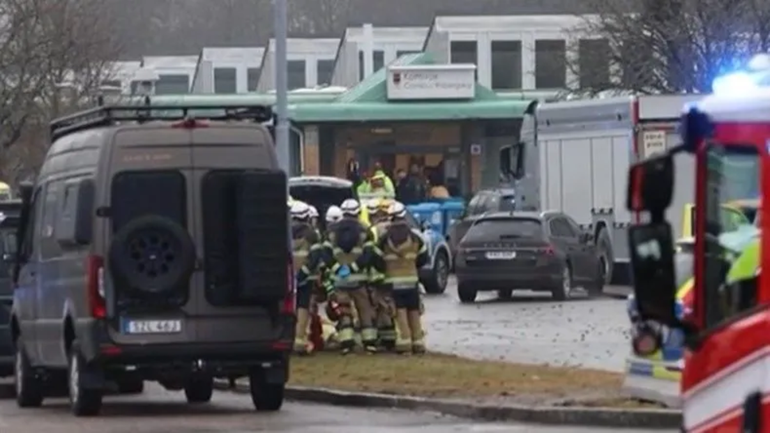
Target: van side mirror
505 160
512 160
653 272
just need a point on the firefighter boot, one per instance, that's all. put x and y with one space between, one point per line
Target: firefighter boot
404 337
301 331
418 335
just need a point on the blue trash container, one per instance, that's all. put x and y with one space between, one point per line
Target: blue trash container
430 212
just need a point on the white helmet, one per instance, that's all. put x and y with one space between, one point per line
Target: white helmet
372 204
300 210
397 210
350 207
333 214
313 212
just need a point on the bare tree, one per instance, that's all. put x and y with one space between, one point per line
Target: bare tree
319 17
53 53
667 45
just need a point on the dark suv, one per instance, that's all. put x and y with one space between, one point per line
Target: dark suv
9 220
154 246
485 201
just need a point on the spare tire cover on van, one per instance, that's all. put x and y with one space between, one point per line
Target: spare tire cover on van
152 254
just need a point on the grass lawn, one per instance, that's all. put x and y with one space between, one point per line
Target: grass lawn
448 376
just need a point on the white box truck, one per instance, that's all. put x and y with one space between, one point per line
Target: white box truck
574 156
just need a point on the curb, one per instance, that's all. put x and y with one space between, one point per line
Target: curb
649 418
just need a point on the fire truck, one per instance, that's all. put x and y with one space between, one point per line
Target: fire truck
573 155
725 384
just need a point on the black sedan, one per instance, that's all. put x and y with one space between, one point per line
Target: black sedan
507 251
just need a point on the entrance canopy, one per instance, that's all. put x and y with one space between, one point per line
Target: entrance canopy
412 88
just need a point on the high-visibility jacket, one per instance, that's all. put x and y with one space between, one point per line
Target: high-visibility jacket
401 260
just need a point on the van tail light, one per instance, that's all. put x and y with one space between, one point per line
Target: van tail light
549 251
189 124
289 301
95 286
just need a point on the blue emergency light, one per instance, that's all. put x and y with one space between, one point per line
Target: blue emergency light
746 82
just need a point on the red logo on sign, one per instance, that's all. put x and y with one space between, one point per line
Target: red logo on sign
396 78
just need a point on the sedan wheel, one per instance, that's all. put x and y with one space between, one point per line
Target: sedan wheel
564 290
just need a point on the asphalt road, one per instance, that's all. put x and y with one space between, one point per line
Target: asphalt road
531 328
159 411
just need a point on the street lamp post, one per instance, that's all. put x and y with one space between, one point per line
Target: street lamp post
281 99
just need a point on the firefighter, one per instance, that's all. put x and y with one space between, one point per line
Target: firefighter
307 258
381 295
333 215
314 216
400 253
349 249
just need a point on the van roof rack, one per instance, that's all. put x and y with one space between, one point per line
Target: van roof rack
108 115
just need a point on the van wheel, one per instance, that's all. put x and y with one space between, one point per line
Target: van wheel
29 385
199 389
152 254
466 293
84 401
437 282
265 396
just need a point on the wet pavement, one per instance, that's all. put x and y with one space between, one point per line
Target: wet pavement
530 328
160 411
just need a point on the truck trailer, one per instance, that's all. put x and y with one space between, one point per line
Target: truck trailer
574 156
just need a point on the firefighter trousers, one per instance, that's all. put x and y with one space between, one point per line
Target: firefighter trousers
386 311
307 306
358 299
411 336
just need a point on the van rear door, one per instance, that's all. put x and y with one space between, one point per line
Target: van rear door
241 223
148 248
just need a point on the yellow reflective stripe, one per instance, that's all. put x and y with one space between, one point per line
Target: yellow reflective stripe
356 250
407 279
405 256
300 253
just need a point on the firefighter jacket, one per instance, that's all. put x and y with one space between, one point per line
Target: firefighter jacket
400 253
349 243
378 230
307 252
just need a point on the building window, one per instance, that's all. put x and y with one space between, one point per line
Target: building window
506 65
550 64
325 70
594 63
378 57
296 78
172 85
463 52
225 80
361 71
252 79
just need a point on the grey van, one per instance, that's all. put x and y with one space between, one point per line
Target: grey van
154 246
9 220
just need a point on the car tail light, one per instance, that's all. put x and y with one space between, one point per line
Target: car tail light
289 300
95 286
189 124
549 251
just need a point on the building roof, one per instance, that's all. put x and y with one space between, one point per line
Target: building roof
367 102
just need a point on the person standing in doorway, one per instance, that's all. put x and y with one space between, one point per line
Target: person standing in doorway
412 188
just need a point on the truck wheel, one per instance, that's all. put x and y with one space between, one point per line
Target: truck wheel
437 282
466 293
200 389
29 385
83 401
606 255
596 288
266 396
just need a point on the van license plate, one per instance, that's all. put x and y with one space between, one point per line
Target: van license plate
152 326
501 255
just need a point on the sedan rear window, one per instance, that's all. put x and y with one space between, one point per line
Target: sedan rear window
505 228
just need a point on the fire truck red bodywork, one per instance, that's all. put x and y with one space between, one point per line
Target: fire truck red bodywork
733 360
